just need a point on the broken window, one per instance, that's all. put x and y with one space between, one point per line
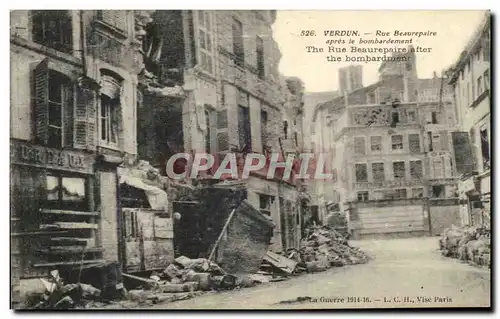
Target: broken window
376 143
395 117
114 18
417 192
205 41
414 143
245 137
65 192
397 142
416 169
485 148
438 191
399 170
263 129
238 46
362 196
359 145
361 173
110 108
378 172
265 202
260 57
53 29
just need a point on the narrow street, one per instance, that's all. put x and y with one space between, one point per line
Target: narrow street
404 272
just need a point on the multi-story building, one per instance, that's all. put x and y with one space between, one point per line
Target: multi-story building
213 86
350 78
387 146
74 77
470 78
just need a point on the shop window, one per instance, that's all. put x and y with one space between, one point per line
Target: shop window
361 173
414 143
397 142
362 196
416 170
238 46
378 172
114 18
53 29
206 40
359 145
66 192
399 170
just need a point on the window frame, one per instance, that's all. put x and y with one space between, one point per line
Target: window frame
356 165
59 203
413 176
64 33
207 28
372 144
238 42
260 57
358 138
411 149
382 174
393 143
363 196
394 170
109 111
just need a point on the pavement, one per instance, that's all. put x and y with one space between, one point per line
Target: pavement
404 273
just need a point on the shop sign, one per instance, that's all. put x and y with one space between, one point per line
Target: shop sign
39 156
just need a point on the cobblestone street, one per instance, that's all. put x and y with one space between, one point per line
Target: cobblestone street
404 272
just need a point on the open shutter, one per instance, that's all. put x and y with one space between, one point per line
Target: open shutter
42 102
85 133
69 107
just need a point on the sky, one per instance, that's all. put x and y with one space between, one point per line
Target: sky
453 28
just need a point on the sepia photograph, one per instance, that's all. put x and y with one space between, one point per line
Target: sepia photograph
250 159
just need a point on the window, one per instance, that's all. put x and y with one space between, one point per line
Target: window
438 191
245 137
400 193
205 41
238 46
362 196
361 173
265 202
359 145
429 138
416 170
376 143
412 116
436 142
285 129
260 57
486 77
296 139
66 192
479 86
263 129
417 192
378 172
115 18
207 133
434 118
395 117
110 108
485 148
397 142
399 170
438 166
414 143
53 29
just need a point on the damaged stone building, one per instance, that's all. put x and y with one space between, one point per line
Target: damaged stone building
101 99
212 86
392 153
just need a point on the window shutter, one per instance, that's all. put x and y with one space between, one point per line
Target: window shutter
69 107
85 120
116 18
42 102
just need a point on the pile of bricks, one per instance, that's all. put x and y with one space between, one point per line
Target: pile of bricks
470 243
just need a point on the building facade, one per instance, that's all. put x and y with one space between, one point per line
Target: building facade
471 79
74 77
388 145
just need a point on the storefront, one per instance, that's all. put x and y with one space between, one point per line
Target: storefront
474 192
54 219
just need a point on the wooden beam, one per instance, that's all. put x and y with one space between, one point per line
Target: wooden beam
69 263
70 250
68 212
40 233
68 225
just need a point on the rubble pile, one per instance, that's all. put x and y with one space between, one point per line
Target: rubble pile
469 243
324 247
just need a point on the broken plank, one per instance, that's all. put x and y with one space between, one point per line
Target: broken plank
40 233
149 283
69 225
70 250
68 212
69 263
280 262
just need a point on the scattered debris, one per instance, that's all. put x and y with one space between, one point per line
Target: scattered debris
471 244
